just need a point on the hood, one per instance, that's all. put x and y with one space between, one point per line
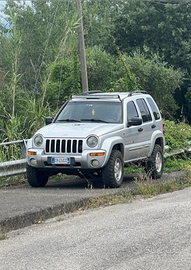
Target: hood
77 130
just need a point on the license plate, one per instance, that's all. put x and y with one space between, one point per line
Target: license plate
65 160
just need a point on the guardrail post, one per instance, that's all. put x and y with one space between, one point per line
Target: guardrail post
23 148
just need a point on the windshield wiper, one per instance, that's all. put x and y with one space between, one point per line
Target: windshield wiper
94 120
68 120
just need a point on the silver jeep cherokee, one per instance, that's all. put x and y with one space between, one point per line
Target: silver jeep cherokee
98 133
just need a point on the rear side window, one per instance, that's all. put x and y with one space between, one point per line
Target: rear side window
154 108
145 113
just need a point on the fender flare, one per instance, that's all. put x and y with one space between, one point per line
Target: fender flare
109 144
157 136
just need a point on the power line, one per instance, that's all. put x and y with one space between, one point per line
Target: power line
169 2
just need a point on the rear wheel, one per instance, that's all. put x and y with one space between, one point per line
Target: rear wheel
112 173
154 166
35 177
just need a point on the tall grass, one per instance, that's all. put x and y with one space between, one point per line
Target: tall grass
21 126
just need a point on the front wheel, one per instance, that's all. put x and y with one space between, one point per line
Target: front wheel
112 173
35 177
155 164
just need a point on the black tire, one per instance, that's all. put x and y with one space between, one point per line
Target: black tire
35 177
112 173
154 166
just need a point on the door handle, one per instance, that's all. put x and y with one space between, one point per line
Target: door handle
140 129
153 126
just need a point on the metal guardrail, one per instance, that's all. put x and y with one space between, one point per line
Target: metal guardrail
14 167
175 152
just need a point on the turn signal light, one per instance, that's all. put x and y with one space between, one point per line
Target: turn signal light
31 153
97 154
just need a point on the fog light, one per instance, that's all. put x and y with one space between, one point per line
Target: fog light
95 163
33 162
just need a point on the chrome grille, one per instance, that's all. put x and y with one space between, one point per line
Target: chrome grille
63 146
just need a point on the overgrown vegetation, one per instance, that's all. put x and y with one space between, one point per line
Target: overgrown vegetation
176 163
39 62
150 188
177 135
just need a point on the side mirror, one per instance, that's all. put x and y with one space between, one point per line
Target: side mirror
135 121
48 120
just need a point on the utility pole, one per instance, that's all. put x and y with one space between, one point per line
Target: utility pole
82 52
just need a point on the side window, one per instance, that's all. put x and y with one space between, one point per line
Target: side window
131 110
145 113
154 108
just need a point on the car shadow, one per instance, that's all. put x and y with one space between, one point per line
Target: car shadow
75 182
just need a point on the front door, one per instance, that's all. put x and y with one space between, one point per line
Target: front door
137 138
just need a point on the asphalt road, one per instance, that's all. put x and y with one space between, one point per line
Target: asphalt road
145 234
23 205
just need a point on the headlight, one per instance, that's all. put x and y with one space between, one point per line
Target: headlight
92 141
38 140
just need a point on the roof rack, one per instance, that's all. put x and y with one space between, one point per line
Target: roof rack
94 94
91 92
137 92
97 96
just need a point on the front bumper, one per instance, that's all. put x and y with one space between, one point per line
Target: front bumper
88 159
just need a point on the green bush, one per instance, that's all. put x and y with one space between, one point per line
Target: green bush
178 136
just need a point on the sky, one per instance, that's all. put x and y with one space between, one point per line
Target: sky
2 4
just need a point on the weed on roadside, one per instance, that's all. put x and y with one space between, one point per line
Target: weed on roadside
146 187
150 187
2 235
176 163
15 180
110 199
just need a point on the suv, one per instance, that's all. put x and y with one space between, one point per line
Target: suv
98 133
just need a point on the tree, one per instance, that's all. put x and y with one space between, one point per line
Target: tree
46 35
98 18
43 24
159 79
164 29
100 67
64 81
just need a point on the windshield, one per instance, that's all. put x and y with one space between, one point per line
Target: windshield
91 111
